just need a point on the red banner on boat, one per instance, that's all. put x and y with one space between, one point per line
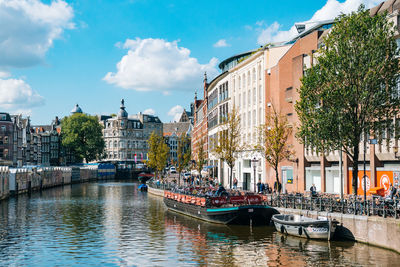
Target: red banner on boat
218 201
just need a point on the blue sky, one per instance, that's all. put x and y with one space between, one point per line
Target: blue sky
54 54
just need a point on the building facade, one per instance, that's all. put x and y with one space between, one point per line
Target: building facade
172 133
6 139
126 136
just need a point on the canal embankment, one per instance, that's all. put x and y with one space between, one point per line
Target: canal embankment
14 181
372 230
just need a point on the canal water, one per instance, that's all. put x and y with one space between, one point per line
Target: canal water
113 224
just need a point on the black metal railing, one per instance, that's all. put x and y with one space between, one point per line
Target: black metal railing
375 206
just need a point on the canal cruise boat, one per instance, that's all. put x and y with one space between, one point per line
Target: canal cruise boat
243 210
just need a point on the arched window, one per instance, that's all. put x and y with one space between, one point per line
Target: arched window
115 144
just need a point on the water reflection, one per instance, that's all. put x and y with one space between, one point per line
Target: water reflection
114 224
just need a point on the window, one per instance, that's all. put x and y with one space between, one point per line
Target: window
254 75
248 98
248 78
244 100
3 128
254 96
260 93
259 72
249 119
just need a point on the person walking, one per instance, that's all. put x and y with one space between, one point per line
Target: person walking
235 182
313 190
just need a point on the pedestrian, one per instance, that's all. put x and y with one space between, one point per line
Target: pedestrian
259 186
313 190
235 182
392 191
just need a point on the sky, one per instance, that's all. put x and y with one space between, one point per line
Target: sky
153 54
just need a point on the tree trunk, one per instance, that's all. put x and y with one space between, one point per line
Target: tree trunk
355 169
277 179
230 178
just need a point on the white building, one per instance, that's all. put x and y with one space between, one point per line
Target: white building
242 85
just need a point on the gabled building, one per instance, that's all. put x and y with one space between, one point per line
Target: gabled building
172 133
126 136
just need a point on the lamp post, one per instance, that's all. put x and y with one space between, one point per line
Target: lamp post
254 161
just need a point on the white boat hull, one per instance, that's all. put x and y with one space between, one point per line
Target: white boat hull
304 227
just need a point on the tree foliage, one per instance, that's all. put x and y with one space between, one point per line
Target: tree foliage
83 135
228 143
158 153
273 140
352 90
201 156
183 153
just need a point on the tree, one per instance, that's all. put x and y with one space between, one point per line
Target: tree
201 157
273 141
351 92
183 154
83 135
158 153
228 142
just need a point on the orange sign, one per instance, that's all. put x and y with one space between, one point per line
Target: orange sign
383 179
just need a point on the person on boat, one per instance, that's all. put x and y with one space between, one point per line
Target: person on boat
313 190
220 190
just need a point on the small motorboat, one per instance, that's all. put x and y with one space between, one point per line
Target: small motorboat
143 187
298 225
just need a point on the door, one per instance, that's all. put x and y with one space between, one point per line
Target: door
246 181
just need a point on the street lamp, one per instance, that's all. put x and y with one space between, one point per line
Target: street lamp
254 161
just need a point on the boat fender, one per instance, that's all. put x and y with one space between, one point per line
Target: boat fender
300 230
282 229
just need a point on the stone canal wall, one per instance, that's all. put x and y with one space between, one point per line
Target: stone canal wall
22 180
4 176
373 230
155 191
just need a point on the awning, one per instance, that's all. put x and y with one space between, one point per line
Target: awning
209 167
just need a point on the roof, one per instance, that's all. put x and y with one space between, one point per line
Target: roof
177 128
5 116
233 58
76 109
318 25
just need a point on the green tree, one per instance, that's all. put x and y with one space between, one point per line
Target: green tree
228 144
201 157
158 153
351 92
183 154
83 135
273 141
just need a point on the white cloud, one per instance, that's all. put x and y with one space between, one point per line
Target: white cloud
17 96
175 112
149 111
221 43
159 65
332 8
4 74
28 29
